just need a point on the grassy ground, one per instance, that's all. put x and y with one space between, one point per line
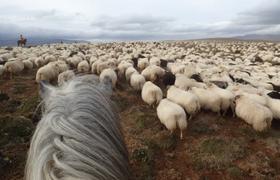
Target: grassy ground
213 147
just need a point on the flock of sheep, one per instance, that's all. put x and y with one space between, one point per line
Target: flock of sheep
229 76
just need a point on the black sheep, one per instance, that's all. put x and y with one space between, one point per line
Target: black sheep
274 95
135 62
220 84
275 87
163 63
168 79
197 77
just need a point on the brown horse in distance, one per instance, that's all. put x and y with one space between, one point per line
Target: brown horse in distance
22 42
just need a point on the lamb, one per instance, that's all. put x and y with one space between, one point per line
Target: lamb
153 72
151 94
172 115
255 114
109 73
65 76
83 67
227 97
207 100
14 67
129 71
28 65
137 81
187 100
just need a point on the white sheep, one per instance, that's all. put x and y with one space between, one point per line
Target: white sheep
14 67
155 61
143 63
48 73
137 81
153 72
185 83
74 61
83 67
227 97
253 113
187 100
122 67
109 73
151 94
172 115
28 65
129 71
50 58
65 76
207 100
40 61
105 65
255 97
274 106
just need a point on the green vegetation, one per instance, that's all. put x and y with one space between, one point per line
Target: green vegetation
15 129
217 153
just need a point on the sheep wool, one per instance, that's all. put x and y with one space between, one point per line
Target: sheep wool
143 63
137 81
172 115
207 100
187 100
27 64
255 114
109 73
227 97
65 76
151 94
14 67
48 73
152 72
129 71
83 67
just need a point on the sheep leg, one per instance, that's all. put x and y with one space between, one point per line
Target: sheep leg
190 117
233 111
181 135
224 113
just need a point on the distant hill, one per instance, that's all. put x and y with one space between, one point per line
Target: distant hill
36 41
267 37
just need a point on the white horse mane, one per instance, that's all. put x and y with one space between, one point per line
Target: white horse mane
78 136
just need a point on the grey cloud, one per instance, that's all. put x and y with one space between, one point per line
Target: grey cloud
268 14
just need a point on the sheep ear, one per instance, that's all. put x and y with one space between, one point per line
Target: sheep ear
45 89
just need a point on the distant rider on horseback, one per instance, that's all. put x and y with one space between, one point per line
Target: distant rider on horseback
21 41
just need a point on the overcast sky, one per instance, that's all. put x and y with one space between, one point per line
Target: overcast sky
139 19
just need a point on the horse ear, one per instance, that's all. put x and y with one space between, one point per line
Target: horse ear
45 89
